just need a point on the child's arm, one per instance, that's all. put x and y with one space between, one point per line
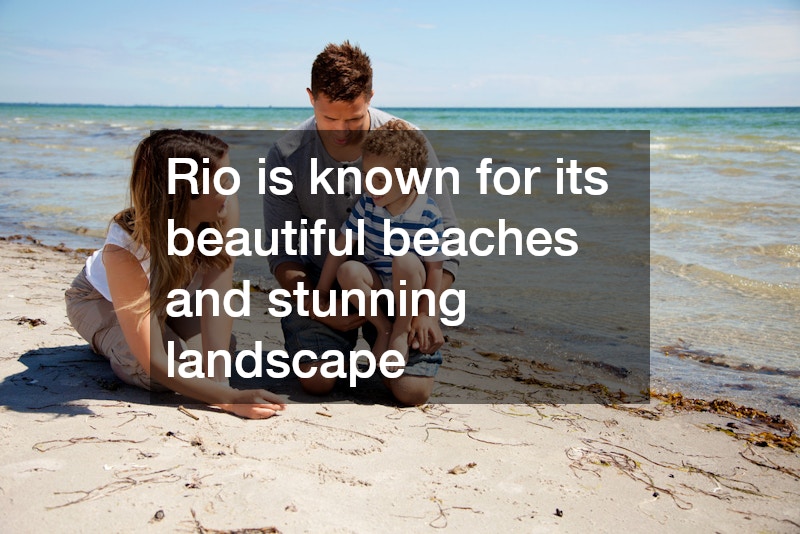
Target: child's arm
426 334
433 281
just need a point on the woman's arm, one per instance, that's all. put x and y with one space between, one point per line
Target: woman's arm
127 283
216 327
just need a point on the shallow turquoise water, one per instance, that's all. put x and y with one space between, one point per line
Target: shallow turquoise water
724 218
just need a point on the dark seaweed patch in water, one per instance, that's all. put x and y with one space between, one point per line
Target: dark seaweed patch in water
740 387
61 247
614 370
684 351
789 400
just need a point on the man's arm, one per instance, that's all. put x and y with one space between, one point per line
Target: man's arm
287 269
426 334
290 274
449 219
278 210
331 267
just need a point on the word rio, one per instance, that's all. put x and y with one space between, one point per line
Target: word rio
220 180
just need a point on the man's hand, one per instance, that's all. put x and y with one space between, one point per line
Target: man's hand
425 334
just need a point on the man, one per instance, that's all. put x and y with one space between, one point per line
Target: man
340 93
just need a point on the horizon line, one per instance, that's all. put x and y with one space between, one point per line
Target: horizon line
220 106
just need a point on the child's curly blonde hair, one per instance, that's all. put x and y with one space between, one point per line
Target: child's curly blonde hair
400 141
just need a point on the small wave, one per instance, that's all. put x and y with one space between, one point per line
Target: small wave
669 228
124 127
788 254
52 209
52 147
767 213
706 276
620 207
790 146
651 146
85 231
765 147
734 171
780 251
684 351
683 213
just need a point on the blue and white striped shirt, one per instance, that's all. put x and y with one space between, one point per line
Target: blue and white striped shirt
423 213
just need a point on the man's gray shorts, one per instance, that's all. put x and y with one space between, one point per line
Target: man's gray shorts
304 333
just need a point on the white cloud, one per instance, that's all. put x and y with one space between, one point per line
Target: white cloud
773 39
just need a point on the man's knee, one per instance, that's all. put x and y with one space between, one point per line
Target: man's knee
412 390
316 384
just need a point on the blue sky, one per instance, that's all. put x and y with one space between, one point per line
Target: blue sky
437 53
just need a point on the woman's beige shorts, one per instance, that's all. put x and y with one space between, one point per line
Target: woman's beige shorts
95 320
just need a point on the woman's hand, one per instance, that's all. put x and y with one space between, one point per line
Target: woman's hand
254 404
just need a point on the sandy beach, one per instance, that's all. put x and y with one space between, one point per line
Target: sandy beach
83 452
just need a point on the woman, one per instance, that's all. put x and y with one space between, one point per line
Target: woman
118 301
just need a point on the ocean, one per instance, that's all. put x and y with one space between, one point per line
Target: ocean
724 219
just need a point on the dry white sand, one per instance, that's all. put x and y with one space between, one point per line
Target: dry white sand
82 452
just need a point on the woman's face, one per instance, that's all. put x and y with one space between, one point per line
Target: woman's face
213 206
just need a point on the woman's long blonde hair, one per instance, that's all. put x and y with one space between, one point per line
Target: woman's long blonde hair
151 207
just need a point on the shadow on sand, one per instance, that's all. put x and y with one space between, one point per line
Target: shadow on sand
69 380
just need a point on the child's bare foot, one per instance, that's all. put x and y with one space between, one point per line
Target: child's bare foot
382 342
399 342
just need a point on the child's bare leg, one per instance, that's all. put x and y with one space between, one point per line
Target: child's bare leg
355 275
408 268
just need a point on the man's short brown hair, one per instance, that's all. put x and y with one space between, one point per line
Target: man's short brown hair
400 141
342 72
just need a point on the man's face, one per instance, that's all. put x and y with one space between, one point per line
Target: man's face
340 123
